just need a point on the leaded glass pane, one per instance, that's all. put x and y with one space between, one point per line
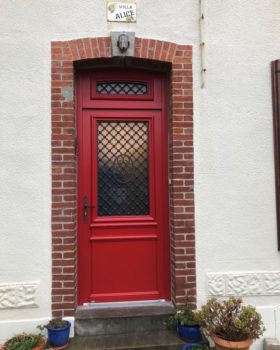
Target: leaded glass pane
123 174
121 88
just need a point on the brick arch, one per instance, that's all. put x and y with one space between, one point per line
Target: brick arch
64 177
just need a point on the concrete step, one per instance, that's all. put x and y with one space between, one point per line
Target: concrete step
121 318
271 344
155 340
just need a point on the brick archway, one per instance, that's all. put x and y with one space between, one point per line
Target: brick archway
64 177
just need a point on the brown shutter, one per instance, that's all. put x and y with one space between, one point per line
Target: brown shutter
275 69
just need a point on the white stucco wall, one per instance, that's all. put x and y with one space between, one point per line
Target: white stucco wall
234 166
235 211
234 174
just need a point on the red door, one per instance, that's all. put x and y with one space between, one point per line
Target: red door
123 250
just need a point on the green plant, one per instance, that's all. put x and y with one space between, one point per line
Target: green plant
231 320
54 323
23 341
184 316
199 347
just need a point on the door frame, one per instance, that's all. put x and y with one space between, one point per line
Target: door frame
69 56
151 108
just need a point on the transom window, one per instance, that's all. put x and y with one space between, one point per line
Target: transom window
121 88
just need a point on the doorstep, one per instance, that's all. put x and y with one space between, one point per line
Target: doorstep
124 309
153 340
121 318
124 326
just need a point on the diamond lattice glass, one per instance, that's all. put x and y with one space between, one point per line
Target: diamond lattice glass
123 168
121 88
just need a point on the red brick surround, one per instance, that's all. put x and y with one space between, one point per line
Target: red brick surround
64 176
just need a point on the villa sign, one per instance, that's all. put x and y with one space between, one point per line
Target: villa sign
121 11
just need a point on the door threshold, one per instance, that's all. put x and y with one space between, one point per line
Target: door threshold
124 303
124 309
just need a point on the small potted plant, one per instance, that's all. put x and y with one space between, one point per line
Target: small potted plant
58 333
187 322
25 341
231 324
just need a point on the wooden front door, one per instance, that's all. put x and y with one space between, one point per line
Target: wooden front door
123 236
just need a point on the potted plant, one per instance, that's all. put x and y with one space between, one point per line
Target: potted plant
187 322
231 324
195 346
25 341
58 333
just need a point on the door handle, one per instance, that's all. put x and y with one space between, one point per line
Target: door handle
85 209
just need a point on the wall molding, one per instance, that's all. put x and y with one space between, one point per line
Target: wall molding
252 283
19 295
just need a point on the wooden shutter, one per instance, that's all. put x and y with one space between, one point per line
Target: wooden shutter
275 69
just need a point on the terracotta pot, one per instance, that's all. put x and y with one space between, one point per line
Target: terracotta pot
41 346
60 347
222 344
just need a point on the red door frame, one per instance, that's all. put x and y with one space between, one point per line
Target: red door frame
152 108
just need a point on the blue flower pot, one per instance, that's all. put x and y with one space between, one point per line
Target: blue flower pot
60 336
189 333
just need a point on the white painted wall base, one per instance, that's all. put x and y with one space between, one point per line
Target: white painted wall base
269 319
10 328
277 319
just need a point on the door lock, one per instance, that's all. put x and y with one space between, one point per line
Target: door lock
86 206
